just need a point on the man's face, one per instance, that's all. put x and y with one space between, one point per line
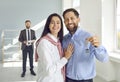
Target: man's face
71 21
27 24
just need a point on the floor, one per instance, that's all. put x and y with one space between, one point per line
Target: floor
10 72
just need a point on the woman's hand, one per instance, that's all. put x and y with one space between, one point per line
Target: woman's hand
68 52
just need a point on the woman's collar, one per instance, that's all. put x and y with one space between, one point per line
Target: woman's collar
53 37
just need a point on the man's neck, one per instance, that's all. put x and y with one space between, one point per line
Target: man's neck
27 28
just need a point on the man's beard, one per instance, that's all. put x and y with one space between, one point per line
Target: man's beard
27 27
73 30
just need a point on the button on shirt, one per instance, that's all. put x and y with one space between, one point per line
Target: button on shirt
81 65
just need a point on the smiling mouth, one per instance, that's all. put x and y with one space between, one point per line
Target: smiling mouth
55 28
70 25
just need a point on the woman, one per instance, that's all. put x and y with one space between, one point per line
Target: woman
50 55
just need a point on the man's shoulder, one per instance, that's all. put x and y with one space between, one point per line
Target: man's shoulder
83 32
32 30
23 30
65 36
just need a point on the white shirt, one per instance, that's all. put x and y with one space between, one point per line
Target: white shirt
49 62
28 41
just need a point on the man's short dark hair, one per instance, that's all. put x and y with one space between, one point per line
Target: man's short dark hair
27 21
71 10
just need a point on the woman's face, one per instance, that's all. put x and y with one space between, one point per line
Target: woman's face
55 25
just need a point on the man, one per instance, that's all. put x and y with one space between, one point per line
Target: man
27 38
81 66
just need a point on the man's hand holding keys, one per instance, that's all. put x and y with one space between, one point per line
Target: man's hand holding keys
94 41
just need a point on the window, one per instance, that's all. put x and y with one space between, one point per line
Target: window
76 5
118 23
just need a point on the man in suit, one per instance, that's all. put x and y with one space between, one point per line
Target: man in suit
27 38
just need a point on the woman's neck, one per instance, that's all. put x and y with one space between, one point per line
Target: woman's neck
55 35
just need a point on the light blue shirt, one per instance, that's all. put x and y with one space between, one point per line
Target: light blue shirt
81 65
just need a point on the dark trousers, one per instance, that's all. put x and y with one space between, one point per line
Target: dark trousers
27 51
71 80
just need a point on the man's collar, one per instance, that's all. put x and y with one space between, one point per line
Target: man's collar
77 31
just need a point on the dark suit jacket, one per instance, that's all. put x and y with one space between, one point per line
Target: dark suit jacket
22 37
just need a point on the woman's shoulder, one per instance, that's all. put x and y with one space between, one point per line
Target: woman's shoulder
44 44
44 41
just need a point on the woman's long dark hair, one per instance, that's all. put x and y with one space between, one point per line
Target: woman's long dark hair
47 30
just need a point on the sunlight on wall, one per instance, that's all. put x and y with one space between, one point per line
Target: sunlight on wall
39 25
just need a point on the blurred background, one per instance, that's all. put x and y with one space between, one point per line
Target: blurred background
101 17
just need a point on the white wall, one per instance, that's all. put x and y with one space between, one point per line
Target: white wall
90 13
66 4
13 13
108 24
